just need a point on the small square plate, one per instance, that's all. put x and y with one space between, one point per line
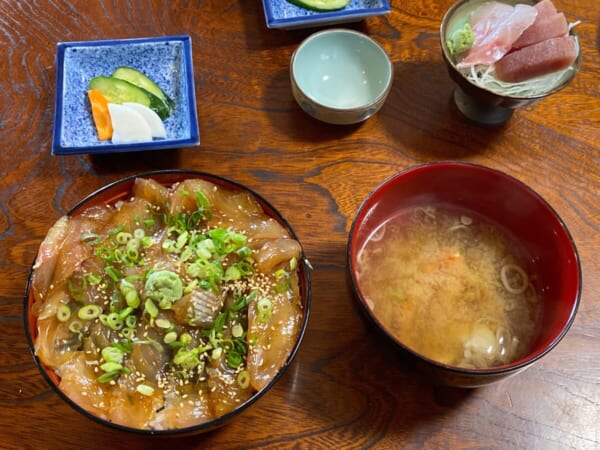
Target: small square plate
166 60
283 14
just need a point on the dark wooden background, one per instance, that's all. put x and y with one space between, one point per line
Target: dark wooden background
346 388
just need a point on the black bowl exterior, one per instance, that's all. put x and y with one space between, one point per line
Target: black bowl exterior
119 190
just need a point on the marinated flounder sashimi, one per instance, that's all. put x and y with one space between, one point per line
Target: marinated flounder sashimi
167 309
496 26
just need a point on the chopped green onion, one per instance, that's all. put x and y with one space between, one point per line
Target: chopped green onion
244 252
151 308
168 246
131 321
128 333
144 389
104 253
116 230
63 313
118 256
186 254
219 322
89 312
264 307
234 359
186 338
243 379
93 279
111 367
279 273
115 301
132 254
149 222
114 321
139 233
132 299
232 273
202 200
91 238
108 376
182 240
237 330
170 337
216 353
242 301
188 359
123 237
133 243
190 286
112 354
75 327
125 313
123 346
131 295
163 323
112 273
245 268
293 263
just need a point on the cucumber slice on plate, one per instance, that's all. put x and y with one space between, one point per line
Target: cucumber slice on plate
120 91
140 80
321 5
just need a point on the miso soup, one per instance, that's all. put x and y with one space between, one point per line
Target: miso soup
451 286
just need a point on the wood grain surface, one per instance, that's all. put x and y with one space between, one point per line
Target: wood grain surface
346 387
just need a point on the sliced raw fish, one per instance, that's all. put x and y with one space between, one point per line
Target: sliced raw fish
487 16
496 27
538 59
543 28
545 8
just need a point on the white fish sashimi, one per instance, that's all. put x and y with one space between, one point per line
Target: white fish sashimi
156 124
128 125
496 27
487 17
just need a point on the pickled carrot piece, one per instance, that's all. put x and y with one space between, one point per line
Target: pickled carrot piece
101 114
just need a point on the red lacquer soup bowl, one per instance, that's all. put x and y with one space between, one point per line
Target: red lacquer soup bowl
510 205
121 191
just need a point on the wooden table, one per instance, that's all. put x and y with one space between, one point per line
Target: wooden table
346 388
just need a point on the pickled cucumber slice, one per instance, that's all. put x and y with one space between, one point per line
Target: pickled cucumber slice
120 91
140 80
321 5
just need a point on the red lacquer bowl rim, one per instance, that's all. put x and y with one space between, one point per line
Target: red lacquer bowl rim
119 190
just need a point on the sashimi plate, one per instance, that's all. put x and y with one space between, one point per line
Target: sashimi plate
166 60
283 14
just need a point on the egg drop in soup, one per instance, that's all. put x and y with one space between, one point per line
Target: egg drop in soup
451 286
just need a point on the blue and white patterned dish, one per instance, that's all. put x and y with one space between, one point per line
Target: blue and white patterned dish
283 14
166 60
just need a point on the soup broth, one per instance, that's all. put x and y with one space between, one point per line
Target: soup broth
451 286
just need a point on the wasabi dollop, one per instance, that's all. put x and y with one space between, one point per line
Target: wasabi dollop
461 40
165 287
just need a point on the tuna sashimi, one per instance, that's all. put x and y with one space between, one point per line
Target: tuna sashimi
496 27
543 28
538 59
